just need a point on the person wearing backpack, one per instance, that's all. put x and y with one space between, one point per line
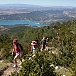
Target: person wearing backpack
17 49
37 44
47 41
43 44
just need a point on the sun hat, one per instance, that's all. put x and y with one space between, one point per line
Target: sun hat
14 40
33 43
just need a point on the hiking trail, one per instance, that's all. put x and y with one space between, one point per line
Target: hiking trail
10 69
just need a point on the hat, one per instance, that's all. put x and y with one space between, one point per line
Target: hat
14 40
33 43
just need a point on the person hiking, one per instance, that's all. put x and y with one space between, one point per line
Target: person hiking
38 44
18 52
43 44
47 41
34 47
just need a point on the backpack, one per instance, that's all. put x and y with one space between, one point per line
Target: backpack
37 42
18 44
44 42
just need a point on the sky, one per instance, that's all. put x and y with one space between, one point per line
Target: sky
41 2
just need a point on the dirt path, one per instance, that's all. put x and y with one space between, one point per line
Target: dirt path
9 70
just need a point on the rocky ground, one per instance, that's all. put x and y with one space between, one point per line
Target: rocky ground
9 69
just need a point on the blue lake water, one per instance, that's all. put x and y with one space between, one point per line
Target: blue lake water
13 22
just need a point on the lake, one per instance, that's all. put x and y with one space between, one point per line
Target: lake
14 22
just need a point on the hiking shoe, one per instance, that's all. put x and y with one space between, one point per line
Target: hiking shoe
14 66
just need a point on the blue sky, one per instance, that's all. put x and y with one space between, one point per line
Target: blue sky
41 2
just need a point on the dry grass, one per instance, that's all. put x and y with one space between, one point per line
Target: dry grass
2 65
63 71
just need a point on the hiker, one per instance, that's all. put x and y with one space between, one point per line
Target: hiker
43 44
17 49
57 38
37 44
47 41
34 47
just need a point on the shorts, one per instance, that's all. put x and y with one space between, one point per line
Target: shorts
17 55
34 50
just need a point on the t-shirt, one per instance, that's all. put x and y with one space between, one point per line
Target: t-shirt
16 48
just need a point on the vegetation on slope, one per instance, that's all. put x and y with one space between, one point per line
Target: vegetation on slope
66 32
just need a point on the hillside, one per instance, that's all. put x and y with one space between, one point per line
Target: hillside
46 15
61 53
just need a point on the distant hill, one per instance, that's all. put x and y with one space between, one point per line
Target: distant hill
46 15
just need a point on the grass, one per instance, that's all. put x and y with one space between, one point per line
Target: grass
2 65
64 71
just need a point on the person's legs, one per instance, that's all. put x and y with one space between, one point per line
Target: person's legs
20 59
15 60
42 47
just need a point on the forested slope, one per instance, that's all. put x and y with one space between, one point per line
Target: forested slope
66 45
